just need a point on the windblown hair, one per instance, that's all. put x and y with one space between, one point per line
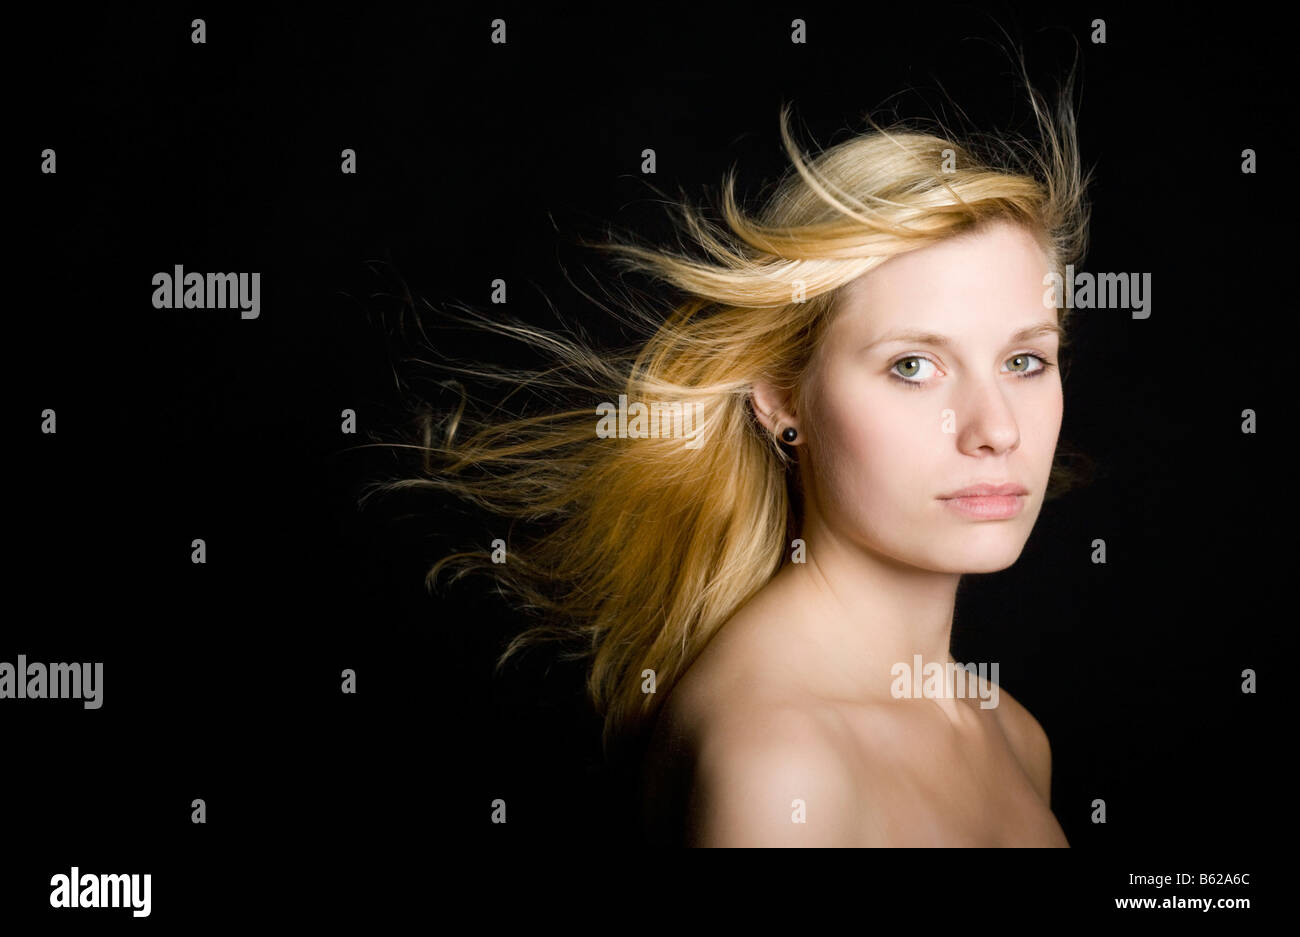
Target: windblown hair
649 545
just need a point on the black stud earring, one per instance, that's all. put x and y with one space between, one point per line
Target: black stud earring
789 434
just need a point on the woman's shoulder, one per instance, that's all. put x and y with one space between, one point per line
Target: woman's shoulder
1028 741
761 767
750 690
739 689
732 735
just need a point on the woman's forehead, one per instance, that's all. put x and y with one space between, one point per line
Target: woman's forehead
988 278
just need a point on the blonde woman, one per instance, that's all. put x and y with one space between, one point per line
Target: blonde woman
753 519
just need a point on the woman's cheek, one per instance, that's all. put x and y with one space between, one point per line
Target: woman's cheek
886 447
848 440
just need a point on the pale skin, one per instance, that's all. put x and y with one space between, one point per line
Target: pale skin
788 714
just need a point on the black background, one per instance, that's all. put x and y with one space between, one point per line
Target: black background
479 161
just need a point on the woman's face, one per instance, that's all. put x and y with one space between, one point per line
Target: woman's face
939 373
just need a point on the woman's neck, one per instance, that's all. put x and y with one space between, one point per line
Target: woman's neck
856 616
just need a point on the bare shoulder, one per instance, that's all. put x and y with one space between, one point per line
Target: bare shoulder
772 774
759 760
1028 742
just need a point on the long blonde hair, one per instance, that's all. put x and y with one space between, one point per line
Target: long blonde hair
648 545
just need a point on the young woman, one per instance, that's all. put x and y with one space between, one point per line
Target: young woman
757 519
786 729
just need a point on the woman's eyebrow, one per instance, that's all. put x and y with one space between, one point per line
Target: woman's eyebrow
912 336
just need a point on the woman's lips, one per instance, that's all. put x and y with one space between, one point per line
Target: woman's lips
987 502
987 507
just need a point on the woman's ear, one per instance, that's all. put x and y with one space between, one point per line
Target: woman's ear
770 405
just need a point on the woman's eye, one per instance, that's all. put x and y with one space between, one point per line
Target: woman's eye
909 368
1023 363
